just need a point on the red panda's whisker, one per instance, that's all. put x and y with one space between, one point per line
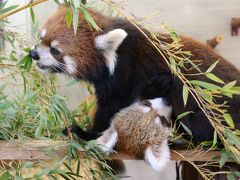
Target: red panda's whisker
75 73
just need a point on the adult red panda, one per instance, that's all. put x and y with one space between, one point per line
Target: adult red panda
123 66
140 130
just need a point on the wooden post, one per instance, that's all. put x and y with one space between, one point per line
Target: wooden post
235 25
215 41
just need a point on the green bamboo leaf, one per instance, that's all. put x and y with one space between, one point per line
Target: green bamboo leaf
231 137
57 2
214 78
185 94
75 17
173 64
235 90
8 9
5 175
214 139
2 4
32 15
68 17
205 85
229 120
230 176
229 85
89 18
230 95
186 129
212 67
223 159
207 96
180 116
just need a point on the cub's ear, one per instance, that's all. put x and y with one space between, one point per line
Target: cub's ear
108 43
107 140
158 155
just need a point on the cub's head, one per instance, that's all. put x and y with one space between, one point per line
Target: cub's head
158 104
79 55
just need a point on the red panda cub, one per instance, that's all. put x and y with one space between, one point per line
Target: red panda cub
141 130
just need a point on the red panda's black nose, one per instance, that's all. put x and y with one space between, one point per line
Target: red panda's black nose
34 55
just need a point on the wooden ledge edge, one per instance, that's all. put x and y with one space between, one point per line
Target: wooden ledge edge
37 150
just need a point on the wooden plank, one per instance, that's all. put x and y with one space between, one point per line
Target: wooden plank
44 150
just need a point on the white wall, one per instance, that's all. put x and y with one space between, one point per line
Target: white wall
201 19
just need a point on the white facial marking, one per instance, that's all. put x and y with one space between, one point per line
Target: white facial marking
145 109
162 108
43 33
45 56
70 64
158 121
158 156
54 43
108 140
109 44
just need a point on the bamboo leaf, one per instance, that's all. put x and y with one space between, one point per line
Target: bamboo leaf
214 78
185 94
8 9
205 85
75 17
89 18
207 96
186 129
223 159
229 85
32 15
57 2
180 116
212 67
231 137
5 175
68 17
229 120
214 139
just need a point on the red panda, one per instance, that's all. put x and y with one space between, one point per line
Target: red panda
140 130
123 67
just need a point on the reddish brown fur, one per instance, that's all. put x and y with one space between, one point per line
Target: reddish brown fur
79 45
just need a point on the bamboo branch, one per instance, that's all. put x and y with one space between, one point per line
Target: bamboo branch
3 16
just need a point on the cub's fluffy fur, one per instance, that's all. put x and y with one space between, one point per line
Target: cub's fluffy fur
123 67
140 131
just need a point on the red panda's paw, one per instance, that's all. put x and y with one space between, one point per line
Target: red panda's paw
73 129
81 134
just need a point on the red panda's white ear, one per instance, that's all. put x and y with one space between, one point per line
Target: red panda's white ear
109 44
108 139
158 156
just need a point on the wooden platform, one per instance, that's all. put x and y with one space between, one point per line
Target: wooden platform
45 150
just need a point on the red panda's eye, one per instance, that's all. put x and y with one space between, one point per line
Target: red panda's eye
54 51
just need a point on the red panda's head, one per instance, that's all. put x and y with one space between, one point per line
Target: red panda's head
77 54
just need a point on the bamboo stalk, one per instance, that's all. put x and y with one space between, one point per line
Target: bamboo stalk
3 16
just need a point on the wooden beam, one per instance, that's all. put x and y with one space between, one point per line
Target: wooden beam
45 150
